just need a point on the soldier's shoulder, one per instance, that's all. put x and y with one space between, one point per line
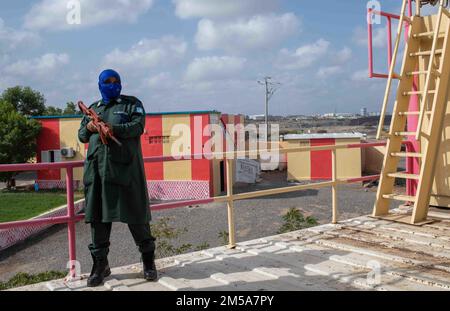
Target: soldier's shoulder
95 104
131 99
135 105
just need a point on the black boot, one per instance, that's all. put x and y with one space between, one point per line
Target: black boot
100 270
150 273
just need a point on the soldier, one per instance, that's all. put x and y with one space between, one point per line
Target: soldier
114 178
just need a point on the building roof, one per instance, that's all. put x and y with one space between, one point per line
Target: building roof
322 136
148 114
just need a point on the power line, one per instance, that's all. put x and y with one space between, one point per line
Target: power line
271 88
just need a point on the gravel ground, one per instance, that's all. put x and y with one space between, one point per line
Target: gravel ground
254 218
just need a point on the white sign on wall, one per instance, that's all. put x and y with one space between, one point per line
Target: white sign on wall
247 171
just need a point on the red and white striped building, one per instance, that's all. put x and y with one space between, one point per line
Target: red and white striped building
171 180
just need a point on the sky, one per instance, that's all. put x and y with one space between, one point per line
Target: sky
178 55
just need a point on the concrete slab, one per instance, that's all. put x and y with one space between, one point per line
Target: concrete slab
358 254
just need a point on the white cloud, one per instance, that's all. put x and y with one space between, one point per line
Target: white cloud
41 66
325 72
379 36
147 53
342 56
304 56
11 39
262 31
360 75
214 68
220 8
161 80
52 14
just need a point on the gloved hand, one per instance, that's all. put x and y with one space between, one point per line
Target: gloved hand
91 127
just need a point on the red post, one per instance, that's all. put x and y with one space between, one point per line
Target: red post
389 38
410 9
71 221
369 30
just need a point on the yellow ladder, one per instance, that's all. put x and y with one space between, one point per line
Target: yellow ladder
433 103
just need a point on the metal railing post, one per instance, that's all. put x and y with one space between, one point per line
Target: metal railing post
230 205
334 187
71 222
389 43
370 42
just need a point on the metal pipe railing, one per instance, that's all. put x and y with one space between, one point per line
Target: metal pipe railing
389 17
71 218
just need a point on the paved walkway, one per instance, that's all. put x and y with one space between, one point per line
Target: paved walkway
347 256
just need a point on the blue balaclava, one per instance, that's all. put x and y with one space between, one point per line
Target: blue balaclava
109 91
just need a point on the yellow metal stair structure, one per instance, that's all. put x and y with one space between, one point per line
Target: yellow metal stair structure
433 103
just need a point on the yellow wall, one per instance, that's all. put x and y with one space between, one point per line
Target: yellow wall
348 160
216 177
299 163
68 129
176 170
373 158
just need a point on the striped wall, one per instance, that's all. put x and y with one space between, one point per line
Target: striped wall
173 180
158 141
317 165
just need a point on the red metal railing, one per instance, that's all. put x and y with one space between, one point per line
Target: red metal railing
71 219
389 17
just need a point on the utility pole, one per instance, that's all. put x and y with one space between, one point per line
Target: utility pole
270 88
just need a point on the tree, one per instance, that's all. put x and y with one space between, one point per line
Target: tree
70 109
25 100
17 138
53 111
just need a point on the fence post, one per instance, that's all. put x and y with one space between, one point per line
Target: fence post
71 222
334 187
230 205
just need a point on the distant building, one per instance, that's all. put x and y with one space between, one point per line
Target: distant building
257 117
338 115
300 118
364 112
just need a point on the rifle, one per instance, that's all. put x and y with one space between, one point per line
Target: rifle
103 129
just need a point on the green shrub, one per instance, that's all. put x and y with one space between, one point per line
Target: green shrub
22 279
224 236
294 220
167 237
